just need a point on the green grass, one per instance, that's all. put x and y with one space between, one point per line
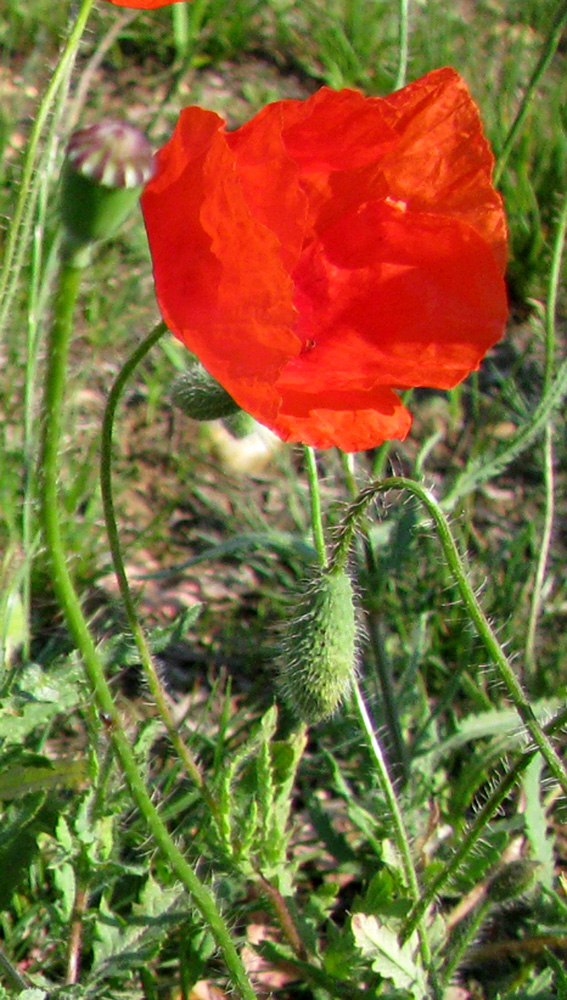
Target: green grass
299 840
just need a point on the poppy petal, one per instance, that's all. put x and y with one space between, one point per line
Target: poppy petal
332 251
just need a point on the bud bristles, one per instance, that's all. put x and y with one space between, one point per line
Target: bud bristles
318 649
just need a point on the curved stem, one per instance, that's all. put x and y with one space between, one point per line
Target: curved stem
487 466
57 354
515 691
477 830
543 555
396 749
550 348
148 666
315 498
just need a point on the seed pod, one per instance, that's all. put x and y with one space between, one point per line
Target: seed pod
106 166
200 396
318 656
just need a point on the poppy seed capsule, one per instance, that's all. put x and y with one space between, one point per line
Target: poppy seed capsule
106 166
318 658
200 396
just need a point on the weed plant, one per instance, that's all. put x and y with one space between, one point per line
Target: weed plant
173 830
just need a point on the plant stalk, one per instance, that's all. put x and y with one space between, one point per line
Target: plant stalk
148 666
57 355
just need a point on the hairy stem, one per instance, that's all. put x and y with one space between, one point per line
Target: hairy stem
57 354
471 837
146 658
315 499
400 833
514 689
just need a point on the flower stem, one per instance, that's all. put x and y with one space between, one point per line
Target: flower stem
403 46
57 354
462 939
487 466
400 832
548 51
315 498
550 348
397 755
11 974
477 829
476 614
22 215
148 666
543 555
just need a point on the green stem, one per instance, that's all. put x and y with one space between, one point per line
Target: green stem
488 466
548 51
395 744
477 830
57 354
552 292
181 33
403 45
543 555
461 939
22 214
400 832
476 614
315 499
146 658
11 974
550 348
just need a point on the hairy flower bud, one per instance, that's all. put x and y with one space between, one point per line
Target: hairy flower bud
318 658
512 880
106 166
200 396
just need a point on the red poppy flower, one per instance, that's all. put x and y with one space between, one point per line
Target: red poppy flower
144 4
330 252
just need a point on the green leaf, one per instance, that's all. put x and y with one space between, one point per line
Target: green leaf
536 823
123 945
391 961
20 780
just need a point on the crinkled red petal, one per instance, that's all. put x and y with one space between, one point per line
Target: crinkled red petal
331 251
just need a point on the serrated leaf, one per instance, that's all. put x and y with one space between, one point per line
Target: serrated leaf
391 961
21 780
122 945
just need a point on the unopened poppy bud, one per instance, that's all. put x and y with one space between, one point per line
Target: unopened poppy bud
200 396
512 881
106 166
318 659
241 424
